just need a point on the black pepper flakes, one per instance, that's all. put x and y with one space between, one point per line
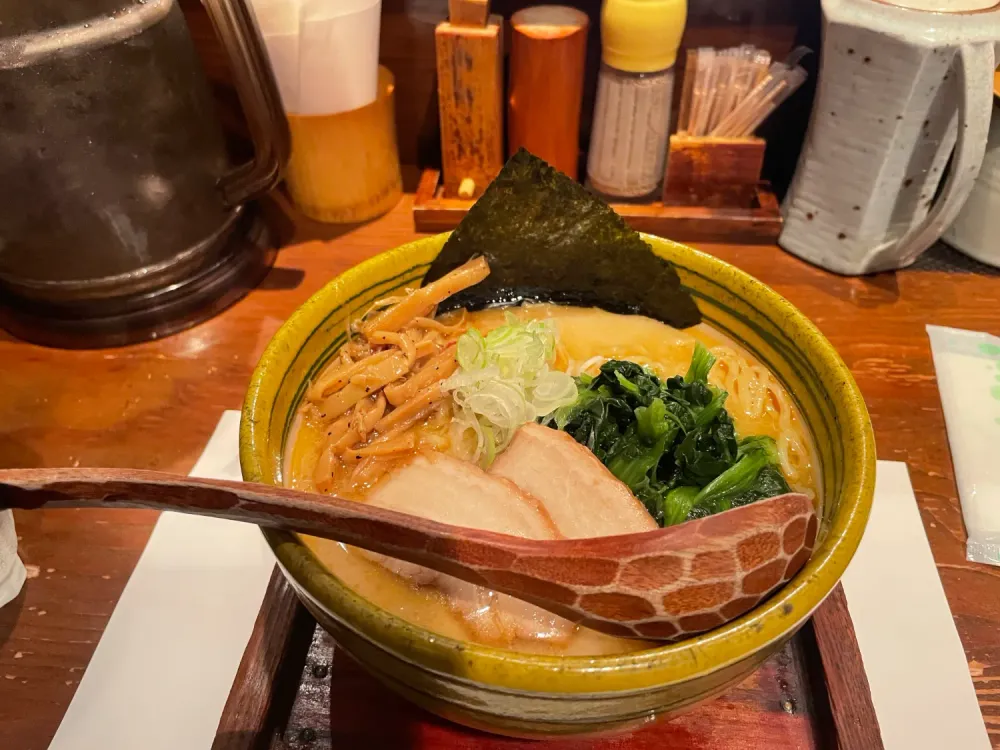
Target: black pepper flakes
857 208
867 60
850 50
907 182
810 216
841 236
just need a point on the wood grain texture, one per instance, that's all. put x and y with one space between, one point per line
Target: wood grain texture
277 647
653 584
470 93
154 406
844 674
548 53
756 225
468 12
712 171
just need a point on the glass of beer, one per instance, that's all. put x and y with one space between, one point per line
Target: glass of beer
345 167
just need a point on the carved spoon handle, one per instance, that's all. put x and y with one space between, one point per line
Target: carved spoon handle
639 585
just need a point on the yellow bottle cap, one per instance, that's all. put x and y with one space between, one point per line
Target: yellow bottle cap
642 36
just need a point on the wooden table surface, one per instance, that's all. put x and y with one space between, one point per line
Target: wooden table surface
154 406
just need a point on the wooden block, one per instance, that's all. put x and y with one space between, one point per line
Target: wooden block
468 12
757 224
470 100
712 171
269 672
844 674
547 56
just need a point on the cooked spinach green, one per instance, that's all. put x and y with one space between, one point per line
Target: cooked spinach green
672 442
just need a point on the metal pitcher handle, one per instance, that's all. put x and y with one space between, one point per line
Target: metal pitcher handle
975 63
236 27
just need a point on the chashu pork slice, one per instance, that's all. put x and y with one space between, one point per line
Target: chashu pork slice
441 488
448 490
581 496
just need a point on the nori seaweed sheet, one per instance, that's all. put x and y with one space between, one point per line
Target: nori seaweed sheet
547 238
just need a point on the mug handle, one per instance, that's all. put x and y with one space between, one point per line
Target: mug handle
976 64
258 92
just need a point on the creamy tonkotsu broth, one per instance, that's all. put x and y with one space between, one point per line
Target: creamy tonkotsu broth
586 338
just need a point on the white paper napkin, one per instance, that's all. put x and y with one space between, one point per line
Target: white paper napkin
324 53
162 672
916 666
967 364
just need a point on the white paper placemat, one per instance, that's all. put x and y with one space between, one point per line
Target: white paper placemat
163 669
917 669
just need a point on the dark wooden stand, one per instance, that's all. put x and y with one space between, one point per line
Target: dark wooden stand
758 224
812 694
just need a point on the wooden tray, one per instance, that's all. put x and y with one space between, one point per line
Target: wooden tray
757 225
295 691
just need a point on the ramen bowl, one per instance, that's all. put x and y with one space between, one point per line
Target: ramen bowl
539 695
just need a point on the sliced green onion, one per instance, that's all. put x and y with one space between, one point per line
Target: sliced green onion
504 381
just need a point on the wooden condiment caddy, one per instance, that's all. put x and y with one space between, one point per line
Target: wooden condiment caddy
712 189
754 221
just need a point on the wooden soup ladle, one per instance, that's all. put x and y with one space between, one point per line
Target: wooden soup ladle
663 584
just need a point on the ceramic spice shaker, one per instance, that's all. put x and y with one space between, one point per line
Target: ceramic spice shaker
634 88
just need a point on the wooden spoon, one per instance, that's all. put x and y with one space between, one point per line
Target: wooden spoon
661 584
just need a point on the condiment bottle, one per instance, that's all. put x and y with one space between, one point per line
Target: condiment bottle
548 53
628 140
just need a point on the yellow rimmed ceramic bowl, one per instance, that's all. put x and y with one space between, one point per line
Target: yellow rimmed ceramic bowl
532 695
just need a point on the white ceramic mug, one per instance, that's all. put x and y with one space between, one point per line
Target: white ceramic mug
899 91
976 231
